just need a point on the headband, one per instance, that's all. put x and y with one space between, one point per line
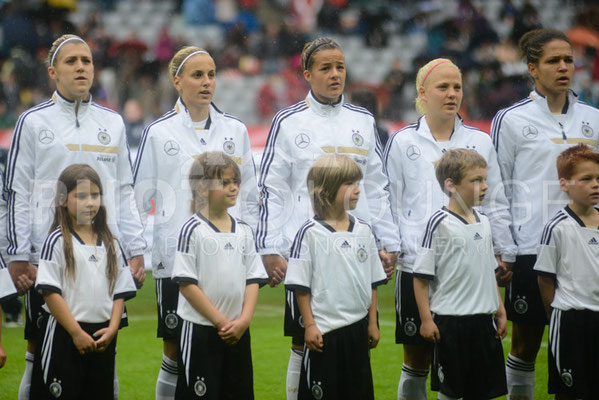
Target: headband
309 55
431 70
187 58
62 44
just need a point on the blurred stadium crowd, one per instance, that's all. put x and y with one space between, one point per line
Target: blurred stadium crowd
257 46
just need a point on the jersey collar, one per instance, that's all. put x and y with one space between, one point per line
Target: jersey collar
350 228
459 217
541 100
76 109
181 109
423 129
576 218
324 109
211 225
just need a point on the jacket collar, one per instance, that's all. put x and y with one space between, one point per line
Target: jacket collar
181 109
75 108
324 109
423 129
541 100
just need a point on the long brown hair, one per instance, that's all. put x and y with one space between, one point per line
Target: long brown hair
68 180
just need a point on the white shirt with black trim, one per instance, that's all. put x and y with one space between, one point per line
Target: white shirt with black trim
47 139
338 269
528 138
410 158
222 264
458 259
168 148
299 135
87 293
569 253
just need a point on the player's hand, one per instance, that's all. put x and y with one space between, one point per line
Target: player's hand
23 282
374 335
504 272
232 332
313 338
388 260
2 356
104 337
84 342
429 331
501 322
276 267
23 275
137 266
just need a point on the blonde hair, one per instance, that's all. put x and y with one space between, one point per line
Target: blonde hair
455 164
313 47
326 176
423 75
179 57
206 168
52 53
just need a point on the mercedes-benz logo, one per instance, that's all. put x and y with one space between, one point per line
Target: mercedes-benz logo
46 137
302 140
530 132
171 148
413 152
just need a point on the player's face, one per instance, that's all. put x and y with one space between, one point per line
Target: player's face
196 81
223 192
473 187
327 75
442 92
73 71
83 202
348 196
583 187
553 73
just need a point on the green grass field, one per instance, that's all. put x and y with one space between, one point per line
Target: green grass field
139 351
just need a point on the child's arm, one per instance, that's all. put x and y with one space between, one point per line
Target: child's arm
501 318
61 312
374 334
312 336
428 328
106 335
547 288
232 332
198 299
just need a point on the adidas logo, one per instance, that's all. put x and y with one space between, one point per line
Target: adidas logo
160 266
345 245
228 246
593 241
93 258
477 236
202 141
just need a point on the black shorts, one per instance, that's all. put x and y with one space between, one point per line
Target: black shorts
34 314
167 299
522 296
210 369
342 370
468 360
294 323
59 371
573 360
407 318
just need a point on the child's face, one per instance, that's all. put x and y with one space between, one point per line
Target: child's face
473 187
83 202
583 187
223 193
348 196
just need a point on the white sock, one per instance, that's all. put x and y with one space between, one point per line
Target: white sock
442 396
25 385
412 383
520 377
167 379
293 373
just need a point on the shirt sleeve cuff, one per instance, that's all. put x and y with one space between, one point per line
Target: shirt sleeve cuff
379 283
125 295
298 287
50 288
545 273
509 258
424 276
184 279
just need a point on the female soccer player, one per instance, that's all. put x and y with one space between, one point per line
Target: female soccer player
168 149
410 159
69 128
528 137
322 123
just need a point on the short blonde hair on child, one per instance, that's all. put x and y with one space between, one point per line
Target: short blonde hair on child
455 163
568 159
207 168
325 178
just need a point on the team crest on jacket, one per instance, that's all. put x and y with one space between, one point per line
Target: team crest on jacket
530 132
56 388
103 136
229 146
200 387
171 148
357 138
302 140
586 129
45 137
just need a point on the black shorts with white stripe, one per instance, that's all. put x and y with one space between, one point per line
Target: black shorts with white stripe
407 318
522 296
167 300
34 314
342 370
573 359
294 323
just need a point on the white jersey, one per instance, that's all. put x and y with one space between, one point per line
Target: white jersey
7 287
87 294
410 158
458 258
298 136
47 139
569 253
338 269
167 151
528 138
222 264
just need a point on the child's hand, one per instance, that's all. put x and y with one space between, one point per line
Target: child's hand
232 332
84 342
2 356
374 335
504 272
104 337
501 322
429 331
313 338
388 260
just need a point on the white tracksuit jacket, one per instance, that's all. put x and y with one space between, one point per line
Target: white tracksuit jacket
528 138
7 287
47 139
161 173
415 193
298 136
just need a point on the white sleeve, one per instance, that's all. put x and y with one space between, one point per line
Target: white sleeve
7 287
394 170
20 175
299 268
125 286
376 186
505 145
378 276
184 268
250 205
51 269
255 271
548 251
144 177
426 260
